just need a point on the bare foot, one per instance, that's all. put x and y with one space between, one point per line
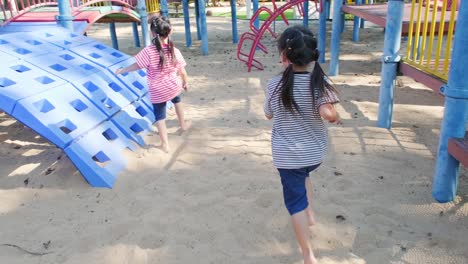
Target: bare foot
187 124
310 216
183 128
310 260
165 147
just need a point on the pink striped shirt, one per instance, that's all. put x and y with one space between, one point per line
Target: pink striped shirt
163 84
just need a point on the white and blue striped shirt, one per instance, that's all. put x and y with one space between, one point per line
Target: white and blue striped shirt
298 139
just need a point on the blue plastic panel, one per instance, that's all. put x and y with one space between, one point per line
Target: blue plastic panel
15 27
19 79
6 58
98 154
60 114
136 81
135 121
100 53
66 65
106 91
26 45
62 38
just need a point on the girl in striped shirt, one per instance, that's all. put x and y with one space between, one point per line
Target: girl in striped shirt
298 101
164 64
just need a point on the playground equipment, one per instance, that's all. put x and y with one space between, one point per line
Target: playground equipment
62 86
76 15
377 14
257 32
432 26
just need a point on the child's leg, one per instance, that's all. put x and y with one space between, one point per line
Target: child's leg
301 230
184 124
162 130
160 116
309 211
295 199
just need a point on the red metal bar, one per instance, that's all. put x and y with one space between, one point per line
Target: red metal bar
429 80
458 148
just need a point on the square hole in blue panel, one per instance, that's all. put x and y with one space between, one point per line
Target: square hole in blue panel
109 134
44 106
5 82
2 42
116 54
115 87
33 42
73 35
101 159
100 47
58 67
108 103
67 126
20 68
44 80
142 73
138 85
136 128
48 35
66 43
22 51
142 111
86 66
95 55
67 57
90 86
79 105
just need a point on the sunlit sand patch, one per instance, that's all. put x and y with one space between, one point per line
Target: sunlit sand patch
24 169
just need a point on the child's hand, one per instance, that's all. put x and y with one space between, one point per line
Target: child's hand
337 120
118 71
184 85
328 112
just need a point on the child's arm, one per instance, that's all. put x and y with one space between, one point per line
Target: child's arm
183 76
130 68
329 113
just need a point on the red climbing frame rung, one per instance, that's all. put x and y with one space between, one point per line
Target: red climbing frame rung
256 35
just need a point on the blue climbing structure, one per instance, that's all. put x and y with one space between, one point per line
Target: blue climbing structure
63 86
456 97
455 113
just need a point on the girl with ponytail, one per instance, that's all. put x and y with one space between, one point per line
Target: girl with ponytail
166 75
298 101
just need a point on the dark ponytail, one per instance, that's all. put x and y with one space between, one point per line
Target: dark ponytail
287 92
161 28
299 46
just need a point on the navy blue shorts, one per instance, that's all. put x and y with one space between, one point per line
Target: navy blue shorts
294 190
160 108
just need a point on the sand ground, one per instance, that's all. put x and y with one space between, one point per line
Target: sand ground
216 198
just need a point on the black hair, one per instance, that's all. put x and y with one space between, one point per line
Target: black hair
299 46
161 28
